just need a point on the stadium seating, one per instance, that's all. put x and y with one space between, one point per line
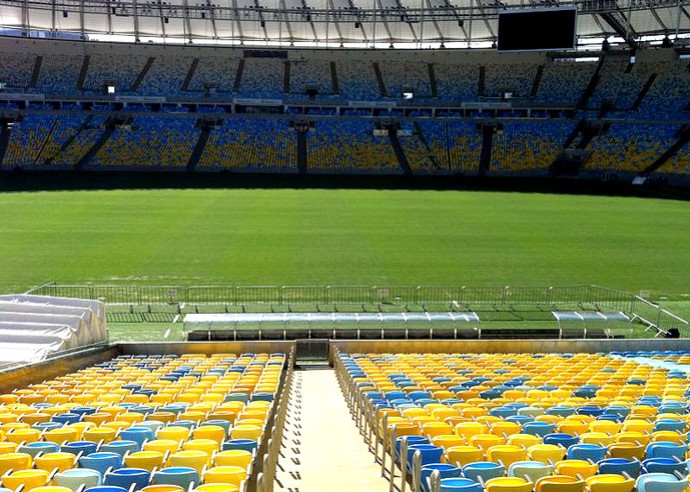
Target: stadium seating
149 142
433 141
216 407
313 73
536 421
251 144
262 78
348 145
630 147
528 146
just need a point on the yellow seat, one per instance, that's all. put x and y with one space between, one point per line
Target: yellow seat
213 432
50 461
208 446
173 433
14 461
596 438
505 429
609 483
579 469
19 436
485 441
467 430
148 460
524 440
506 454
546 453
193 459
627 450
97 434
217 487
447 441
463 455
52 488
243 431
61 435
161 446
162 488
559 483
433 429
508 484
30 479
233 457
225 474
8 447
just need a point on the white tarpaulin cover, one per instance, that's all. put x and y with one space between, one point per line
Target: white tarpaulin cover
34 327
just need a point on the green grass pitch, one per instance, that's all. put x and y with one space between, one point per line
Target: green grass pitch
330 237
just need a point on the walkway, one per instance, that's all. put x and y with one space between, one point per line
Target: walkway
323 448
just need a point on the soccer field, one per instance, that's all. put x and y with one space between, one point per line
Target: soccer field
331 237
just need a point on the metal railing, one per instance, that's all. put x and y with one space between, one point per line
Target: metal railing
459 298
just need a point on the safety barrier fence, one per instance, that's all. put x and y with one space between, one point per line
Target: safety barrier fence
454 298
265 478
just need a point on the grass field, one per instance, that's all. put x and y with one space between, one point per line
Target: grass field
317 237
321 237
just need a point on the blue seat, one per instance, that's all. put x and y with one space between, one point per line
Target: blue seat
669 425
244 444
587 452
410 441
77 447
460 485
101 462
180 475
430 454
530 470
66 418
445 471
660 482
664 449
121 447
483 471
538 428
561 439
33 448
664 465
138 434
126 477
619 466
106 488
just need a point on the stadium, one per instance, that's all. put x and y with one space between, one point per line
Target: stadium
341 245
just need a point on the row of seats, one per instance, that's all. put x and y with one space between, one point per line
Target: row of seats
154 423
523 422
184 75
338 145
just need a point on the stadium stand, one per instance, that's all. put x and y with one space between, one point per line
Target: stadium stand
529 145
149 142
454 96
524 421
630 147
216 71
173 422
357 80
251 144
16 70
348 145
457 81
262 78
552 88
312 73
516 79
400 77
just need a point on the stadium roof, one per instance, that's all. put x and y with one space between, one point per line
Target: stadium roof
375 23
